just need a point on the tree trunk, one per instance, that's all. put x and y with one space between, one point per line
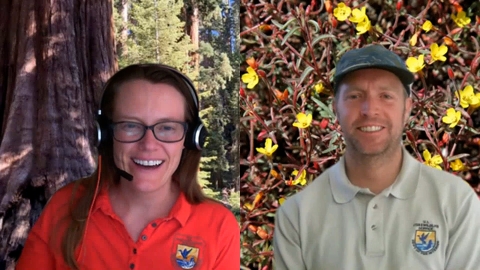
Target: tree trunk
122 48
55 55
194 36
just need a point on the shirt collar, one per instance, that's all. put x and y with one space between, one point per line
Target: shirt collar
406 183
403 188
180 211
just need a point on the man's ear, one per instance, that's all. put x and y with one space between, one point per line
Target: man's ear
408 109
334 106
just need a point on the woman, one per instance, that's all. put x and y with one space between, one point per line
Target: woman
143 208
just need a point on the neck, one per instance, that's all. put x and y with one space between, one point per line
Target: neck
155 204
373 172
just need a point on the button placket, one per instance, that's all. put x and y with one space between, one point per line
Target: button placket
375 244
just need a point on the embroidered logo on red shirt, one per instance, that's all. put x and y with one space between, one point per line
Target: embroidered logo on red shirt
187 251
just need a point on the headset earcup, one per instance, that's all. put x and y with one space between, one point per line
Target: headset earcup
196 136
102 130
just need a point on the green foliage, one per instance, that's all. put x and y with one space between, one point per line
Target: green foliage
234 202
206 187
156 34
293 49
216 74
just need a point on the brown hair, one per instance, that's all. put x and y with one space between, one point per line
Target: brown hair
185 176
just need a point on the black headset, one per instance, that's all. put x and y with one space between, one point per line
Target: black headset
196 131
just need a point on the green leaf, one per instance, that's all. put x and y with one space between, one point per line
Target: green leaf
324 107
291 32
314 23
305 73
459 156
317 39
277 24
283 26
329 149
299 60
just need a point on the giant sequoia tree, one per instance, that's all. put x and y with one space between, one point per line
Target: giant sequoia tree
55 56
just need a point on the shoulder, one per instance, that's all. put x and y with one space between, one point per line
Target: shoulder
313 192
213 210
62 198
211 218
442 181
63 193
55 211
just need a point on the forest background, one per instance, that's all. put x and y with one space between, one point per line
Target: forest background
55 57
289 133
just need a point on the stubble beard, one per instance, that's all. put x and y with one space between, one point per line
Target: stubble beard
356 148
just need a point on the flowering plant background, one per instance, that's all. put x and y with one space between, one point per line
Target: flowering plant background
289 131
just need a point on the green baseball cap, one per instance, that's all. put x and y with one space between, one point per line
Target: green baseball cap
373 56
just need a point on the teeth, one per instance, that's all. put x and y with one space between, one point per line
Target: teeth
148 162
370 128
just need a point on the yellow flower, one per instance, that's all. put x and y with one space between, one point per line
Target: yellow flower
358 15
414 64
457 165
303 120
461 19
474 106
437 53
268 150
302 179
250 78
467 97
248 206
452 117
281 201
432 161
341 12
427 26
413 39
364 26
319 88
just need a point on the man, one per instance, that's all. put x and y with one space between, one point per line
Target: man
378 207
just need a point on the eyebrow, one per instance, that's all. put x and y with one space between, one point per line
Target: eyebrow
136 119
381 88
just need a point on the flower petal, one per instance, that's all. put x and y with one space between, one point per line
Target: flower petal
261 150
426 155
437 159
268 143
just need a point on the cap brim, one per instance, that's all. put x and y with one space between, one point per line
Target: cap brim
405 76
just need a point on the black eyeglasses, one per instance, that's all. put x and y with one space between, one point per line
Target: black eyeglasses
168 131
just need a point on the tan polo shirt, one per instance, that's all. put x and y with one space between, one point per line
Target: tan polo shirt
428 219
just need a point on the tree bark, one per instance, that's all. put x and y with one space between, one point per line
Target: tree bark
122 44
194 35
55 56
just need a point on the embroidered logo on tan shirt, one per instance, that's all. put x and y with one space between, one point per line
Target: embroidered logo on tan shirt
425 238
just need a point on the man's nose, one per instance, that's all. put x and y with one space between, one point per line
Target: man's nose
369 106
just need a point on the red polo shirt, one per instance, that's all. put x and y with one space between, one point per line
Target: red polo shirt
203 236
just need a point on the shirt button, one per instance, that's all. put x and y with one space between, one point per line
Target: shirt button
132 266
144 237
374 227
134 251
154 224
375 206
